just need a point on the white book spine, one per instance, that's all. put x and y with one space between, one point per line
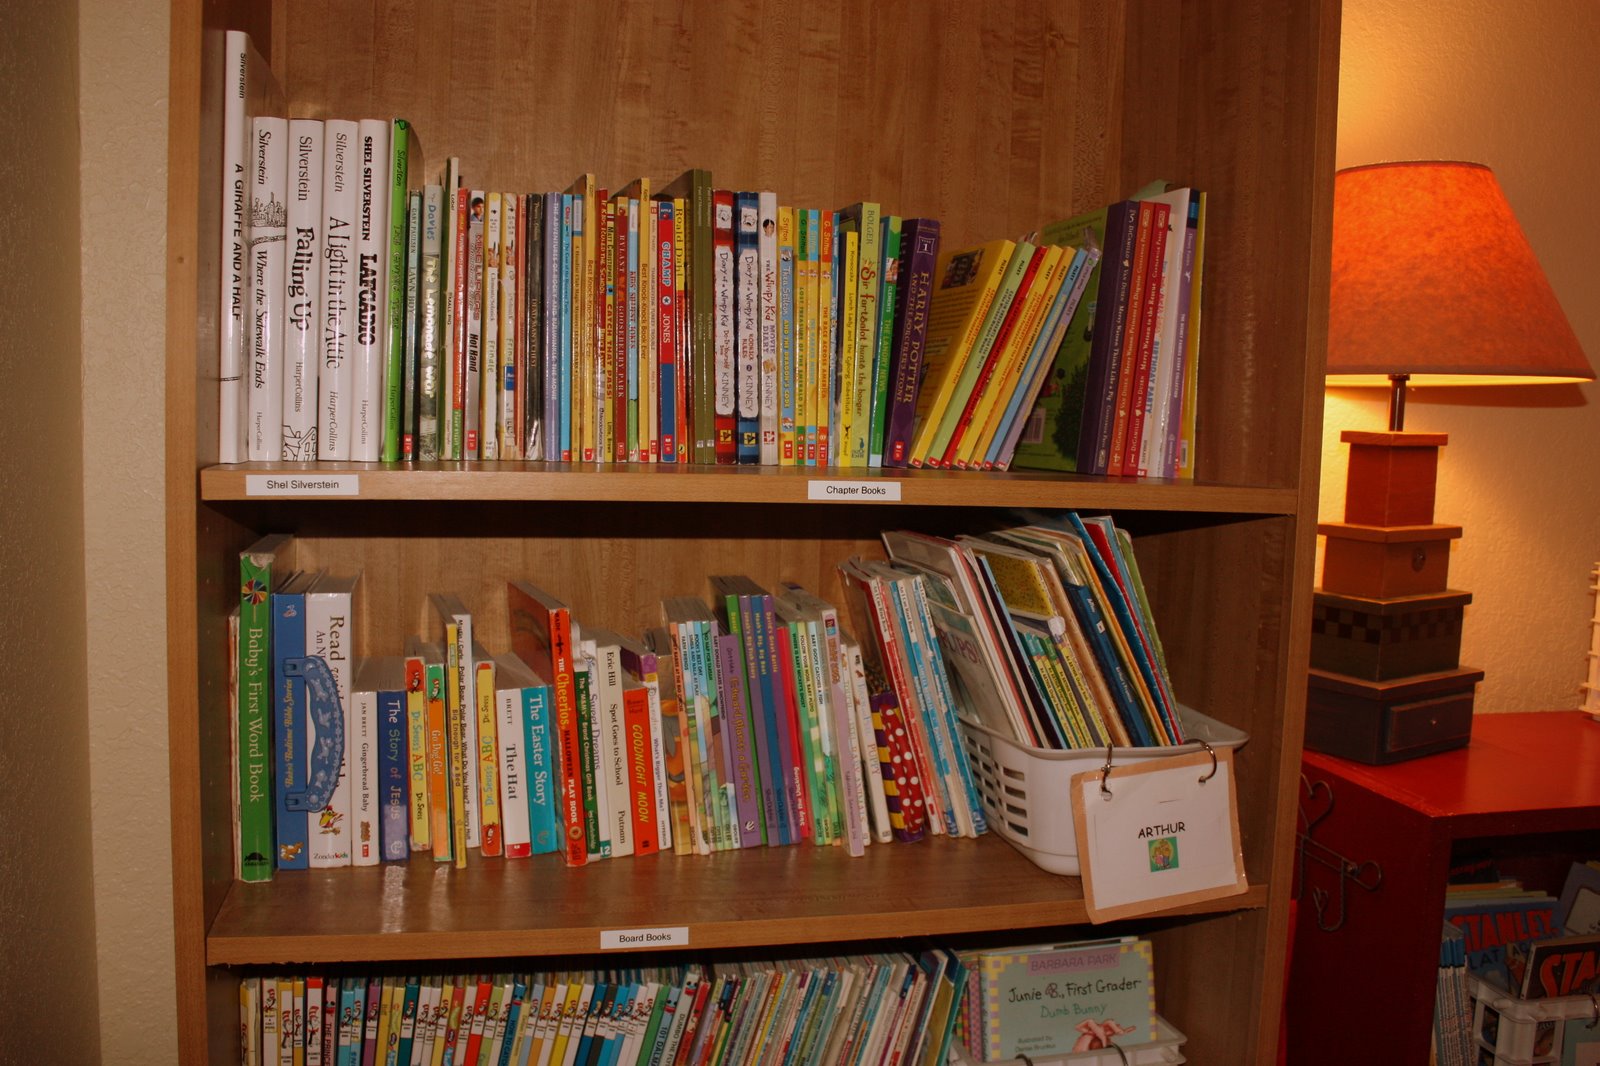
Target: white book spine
489 389
877 801
268 221
467 691
429 379
329 636
313 1022
232 330
516 836
372 290
511 388
614 751
767 258
303 307
658 760
340 204
362 764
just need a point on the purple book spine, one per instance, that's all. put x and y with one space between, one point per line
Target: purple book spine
1105 347
748 808
919 256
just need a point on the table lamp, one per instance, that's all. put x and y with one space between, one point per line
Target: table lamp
1433 283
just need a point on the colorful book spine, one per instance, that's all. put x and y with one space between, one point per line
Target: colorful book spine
404 153
805 352
542 637
452 254
1134 312
440 837
544 823
361 766
1105 352
734 693
431 325
289 724
303 277
883 351
842 403
417 750
634 319
330 637
666 331
394 816
767 315
372 290
588 767
260 566
724 339
531 352
1145 354
787 378
798 793
489 294
268 228
487 754
472 331
551 324
913 298
765 700
641 790
612 753
858 419
643 664
564 307
412 355
510 281
827 317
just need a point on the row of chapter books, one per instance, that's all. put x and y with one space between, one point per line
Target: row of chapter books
372 309
863 1010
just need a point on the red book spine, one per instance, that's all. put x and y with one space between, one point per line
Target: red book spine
1130 340
789 721
1149 312
669 382
641 771
1007 326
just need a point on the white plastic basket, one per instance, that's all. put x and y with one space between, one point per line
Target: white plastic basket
1162 1051
1508 1031
1026 791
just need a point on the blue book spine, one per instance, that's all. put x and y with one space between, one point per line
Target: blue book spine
747 327
551 326
947 705
762 719
1093 622
664 248
757 615
289 729
350 1008
393 766
922 666
612 1048
589 1017
408 1023
519 992
564 306
542 831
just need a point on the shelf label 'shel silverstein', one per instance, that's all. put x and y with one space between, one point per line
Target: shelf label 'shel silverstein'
885 491
290 484
676 936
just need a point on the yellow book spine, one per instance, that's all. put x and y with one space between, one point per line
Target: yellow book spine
1003 382
298 1013
849 344
606 331
417 753
455 716
806 335
864 274
788 378
642 217
488 759
954 320
1191 364
510 446
827 355
385 1005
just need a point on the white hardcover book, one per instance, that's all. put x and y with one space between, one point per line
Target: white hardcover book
473 330
271 1016
1156 432
340 204
511 387
872 769
489 327
268 222
330 635
511 677
429 392
372 290
250 1018
313 1022
303 309
250 90
767 261
612 752
362 763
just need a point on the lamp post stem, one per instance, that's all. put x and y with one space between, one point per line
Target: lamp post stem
1397 402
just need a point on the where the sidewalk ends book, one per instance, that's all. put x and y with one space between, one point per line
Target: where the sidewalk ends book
1063 998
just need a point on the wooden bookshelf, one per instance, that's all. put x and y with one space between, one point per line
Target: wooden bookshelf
993 117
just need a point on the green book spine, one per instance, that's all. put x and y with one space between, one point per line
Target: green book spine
888 290
401 143
410 350
695 188
857 422
586 760
810 728
256 573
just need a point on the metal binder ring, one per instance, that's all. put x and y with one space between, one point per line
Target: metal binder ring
1595 1000
1105 773
1213 753
1114 1046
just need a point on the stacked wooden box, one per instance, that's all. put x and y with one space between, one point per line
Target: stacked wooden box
1386 681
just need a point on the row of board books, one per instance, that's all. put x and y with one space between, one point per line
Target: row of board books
1057 999
1530 943
864 1010
753 719
1048 631
374 309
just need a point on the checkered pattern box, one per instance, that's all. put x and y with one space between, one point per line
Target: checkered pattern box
1378 640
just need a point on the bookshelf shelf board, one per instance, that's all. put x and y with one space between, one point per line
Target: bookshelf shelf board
638 483
771 896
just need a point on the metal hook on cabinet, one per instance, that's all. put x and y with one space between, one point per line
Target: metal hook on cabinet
1367 874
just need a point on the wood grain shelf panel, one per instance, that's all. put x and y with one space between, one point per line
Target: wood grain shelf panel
771 896
636 483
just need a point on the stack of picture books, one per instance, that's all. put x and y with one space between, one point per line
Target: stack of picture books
1048 632
375 308
868 1009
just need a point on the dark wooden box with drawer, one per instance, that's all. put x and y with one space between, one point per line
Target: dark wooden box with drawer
1387 721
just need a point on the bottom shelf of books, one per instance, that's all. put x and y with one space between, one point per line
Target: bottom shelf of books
1076 1003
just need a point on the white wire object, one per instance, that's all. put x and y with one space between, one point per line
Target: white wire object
1591 688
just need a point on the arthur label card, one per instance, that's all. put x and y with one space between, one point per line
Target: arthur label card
1157 835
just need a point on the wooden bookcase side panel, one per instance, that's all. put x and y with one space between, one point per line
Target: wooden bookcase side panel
1228 1008
992 118
1237 98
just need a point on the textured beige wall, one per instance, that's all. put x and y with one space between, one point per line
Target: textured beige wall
47 921
123 133
1515 86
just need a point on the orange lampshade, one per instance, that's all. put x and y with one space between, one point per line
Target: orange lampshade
1432 277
